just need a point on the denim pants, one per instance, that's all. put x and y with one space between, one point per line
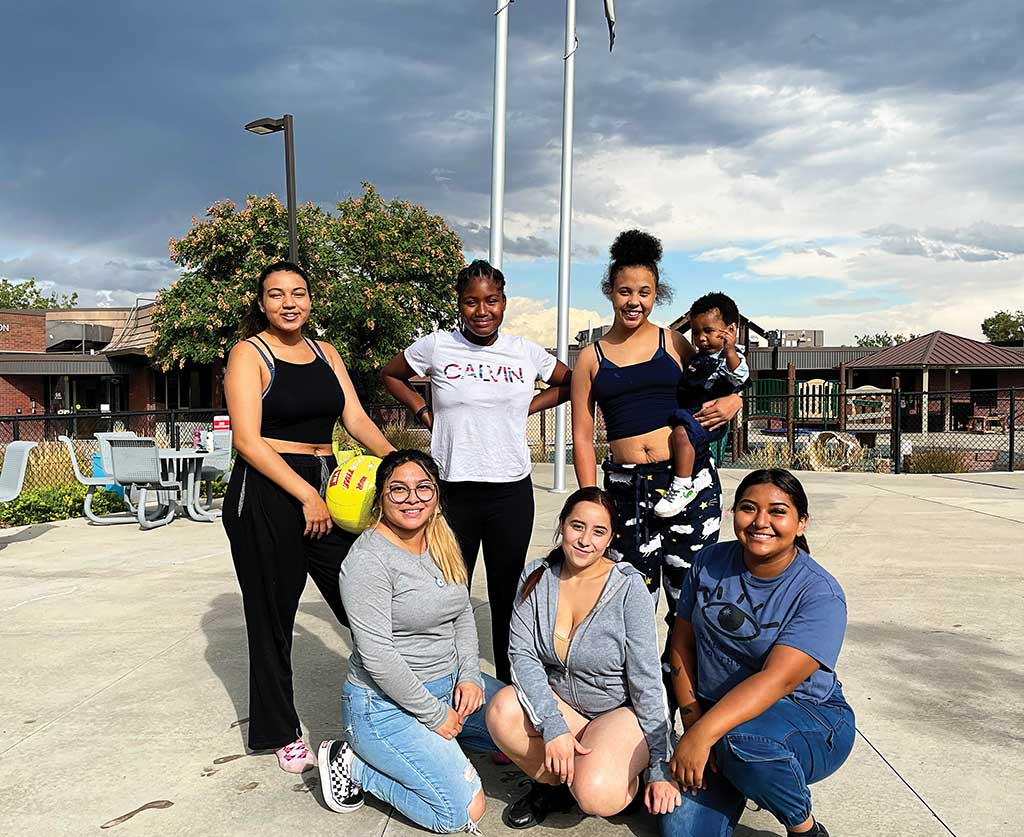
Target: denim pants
770 760
397 759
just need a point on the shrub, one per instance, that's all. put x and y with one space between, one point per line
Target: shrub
938 461
40 505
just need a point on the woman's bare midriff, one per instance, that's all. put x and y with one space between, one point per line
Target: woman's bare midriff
281 446
645 448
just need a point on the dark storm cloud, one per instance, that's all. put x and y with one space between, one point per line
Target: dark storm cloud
124 120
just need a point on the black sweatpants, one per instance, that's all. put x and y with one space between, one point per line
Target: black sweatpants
500 516
272 558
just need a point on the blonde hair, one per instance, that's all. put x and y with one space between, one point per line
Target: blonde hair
441 541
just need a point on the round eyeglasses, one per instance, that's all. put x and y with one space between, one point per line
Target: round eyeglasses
399 493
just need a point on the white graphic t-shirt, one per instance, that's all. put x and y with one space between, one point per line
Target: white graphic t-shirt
481 397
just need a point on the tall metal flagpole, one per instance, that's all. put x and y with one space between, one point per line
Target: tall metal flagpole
498 134
565 231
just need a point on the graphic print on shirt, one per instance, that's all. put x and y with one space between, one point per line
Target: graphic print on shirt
731 620
484 372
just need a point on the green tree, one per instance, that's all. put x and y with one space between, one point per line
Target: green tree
382 273
882 340
1004 326
27 295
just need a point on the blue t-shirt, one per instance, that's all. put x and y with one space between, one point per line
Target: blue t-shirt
738 617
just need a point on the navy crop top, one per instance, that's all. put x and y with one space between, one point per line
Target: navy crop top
303 401
638 398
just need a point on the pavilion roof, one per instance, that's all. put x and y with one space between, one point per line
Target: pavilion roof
941 349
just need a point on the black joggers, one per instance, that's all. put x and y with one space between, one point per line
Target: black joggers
272 558
498 515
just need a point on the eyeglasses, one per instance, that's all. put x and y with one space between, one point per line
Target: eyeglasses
399 493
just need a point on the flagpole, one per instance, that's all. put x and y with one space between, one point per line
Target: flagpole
498 134
565 231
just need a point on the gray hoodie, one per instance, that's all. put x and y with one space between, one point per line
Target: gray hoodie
613 659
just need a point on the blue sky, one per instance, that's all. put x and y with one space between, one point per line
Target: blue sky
846 166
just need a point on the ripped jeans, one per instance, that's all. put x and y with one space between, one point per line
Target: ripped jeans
425 777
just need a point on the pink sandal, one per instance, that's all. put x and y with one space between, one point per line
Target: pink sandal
295 757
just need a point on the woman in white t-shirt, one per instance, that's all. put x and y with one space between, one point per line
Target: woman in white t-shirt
482 387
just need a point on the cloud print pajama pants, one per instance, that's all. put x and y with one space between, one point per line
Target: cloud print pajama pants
662 548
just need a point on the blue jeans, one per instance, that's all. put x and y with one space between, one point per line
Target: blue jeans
424 776
770 760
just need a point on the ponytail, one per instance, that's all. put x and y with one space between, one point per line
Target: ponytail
533 579
801 542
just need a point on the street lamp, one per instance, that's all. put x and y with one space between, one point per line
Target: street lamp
272 126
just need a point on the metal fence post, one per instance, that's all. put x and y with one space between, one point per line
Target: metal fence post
15 430
1013 422
896 434
173 422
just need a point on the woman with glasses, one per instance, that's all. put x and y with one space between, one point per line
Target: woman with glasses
414 691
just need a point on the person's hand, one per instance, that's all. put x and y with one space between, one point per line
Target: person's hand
662 797
560 756
728 337
318 519
716 413
452 725
468 699
689 761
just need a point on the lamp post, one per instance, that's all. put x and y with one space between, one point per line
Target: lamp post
272 126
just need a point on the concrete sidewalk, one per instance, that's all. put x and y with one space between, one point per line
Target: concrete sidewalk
124 696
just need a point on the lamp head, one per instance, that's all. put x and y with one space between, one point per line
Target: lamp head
266 125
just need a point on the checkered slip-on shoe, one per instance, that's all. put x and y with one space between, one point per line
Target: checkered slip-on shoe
340 791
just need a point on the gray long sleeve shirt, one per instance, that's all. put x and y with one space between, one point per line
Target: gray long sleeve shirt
613 660
409 626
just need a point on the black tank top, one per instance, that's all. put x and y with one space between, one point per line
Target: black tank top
638 398
303 400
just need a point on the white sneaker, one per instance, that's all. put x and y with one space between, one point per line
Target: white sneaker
674 501
340 791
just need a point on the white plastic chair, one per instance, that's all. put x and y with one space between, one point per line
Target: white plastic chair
136 464
12 478
104 440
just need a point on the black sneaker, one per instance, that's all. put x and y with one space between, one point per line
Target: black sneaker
818 830
539 801
340 791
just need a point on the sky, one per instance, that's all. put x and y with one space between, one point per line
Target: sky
851 167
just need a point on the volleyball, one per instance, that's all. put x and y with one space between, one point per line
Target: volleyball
350 492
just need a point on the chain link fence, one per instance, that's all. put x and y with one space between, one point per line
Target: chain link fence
886 431
881 430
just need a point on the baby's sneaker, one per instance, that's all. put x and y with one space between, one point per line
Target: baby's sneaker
341 793
295 757
674 501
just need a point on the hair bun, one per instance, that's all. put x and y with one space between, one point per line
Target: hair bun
635 247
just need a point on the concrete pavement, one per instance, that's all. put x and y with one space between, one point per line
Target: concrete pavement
124 696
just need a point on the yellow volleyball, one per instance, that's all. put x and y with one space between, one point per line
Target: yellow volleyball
350 492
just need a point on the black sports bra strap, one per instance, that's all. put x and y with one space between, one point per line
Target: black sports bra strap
316 348
597 348
661 338
267 360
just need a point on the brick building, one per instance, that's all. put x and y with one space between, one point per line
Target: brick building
85 360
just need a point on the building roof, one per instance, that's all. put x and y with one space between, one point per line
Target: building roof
136 334
760 358
53 363
941 349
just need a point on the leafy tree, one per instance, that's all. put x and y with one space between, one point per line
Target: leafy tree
382 273
883 340
27 295
1004 326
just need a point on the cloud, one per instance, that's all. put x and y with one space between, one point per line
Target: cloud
537 320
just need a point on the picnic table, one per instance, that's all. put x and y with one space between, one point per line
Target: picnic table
185 467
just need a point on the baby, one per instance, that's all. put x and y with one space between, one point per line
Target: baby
717 369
